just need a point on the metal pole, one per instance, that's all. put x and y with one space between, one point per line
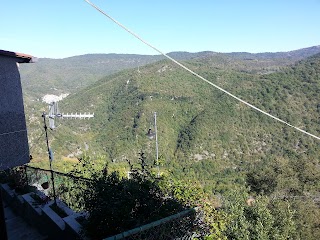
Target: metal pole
25 170
50 160
157 150
3 228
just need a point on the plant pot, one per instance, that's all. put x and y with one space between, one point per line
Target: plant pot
45 185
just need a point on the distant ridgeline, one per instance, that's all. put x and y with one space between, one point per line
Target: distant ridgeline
195 122
204 135
55 76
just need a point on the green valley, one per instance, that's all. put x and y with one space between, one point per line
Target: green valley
204 135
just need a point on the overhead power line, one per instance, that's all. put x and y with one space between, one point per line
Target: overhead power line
197 75
63 144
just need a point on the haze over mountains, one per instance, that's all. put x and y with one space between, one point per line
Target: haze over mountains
56 76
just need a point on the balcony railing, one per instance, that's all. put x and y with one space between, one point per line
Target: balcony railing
72 190
68 188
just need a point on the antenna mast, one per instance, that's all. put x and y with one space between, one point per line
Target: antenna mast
55 113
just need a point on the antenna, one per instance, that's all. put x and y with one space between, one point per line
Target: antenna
54 113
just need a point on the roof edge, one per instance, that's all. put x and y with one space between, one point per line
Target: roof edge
22 58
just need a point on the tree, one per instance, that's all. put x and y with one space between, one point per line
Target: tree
263 219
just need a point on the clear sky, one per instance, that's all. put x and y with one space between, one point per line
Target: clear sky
64 28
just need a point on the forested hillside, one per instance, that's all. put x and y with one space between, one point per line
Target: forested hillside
194 117
56 76
195 120
206 136
68 75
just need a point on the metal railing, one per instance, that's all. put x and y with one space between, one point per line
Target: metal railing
72 190
68 188
177 226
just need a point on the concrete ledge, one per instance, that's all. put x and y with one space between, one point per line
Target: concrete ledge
8 192
31 203
65 208
11 197
53 218
45 219
72 224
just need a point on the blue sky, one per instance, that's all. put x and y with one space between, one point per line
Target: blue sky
64 28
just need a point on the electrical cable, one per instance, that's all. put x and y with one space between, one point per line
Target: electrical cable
197 75
60 141
13 132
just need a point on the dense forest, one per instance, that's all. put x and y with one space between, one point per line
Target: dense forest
232 152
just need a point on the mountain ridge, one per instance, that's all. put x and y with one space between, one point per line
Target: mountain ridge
301 52
204 136
154 86
68 75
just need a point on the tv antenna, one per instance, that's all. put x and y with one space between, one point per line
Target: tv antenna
55 113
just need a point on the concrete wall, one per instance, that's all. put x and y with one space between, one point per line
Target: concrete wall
14 149
42 217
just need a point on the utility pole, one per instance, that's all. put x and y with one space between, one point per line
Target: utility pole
151 135
157 149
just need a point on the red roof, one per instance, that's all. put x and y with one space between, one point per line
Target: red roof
21 57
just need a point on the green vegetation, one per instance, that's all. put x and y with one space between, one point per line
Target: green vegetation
205 137
68 75
116 204
262 219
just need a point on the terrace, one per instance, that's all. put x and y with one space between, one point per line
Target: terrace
33 212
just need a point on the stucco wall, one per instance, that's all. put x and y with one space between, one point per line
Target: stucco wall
14 150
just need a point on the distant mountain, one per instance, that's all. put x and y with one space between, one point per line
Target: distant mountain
196 120
68 75
204 135
261 63
56 76
294 55
186 102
